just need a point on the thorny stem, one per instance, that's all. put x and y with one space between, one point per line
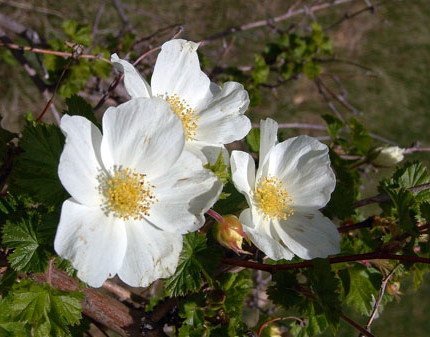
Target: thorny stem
273 268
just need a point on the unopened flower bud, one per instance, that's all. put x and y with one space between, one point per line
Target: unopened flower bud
388 156
230 234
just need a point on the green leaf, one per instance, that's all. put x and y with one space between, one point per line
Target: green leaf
236 287
334 125
195 265
29 248
285 290
261 70
219 168
35 171
360 138
253 139
346 192
363 289
77 106
326 286
49 311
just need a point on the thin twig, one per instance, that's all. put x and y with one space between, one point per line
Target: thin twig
378 301
267 22
32 8
64 54
272 268
121 13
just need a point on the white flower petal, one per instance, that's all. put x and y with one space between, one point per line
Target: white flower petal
303 164
208 153
151 254
268 137
223 121
309 234
95 244
80 162
243 173
142 134
177 72
184 195
261 240
134 83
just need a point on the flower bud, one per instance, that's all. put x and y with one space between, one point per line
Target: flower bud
388 156
230 234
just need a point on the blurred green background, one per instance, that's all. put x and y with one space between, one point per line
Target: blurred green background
389 85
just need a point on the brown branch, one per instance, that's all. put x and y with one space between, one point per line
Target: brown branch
355 325
272 268
105 310
268 22
64 54
415 149
384 197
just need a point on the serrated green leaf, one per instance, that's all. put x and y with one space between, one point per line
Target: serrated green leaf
35 171
47 310
77 106
326 286
362 290
29 249
195 265
220 169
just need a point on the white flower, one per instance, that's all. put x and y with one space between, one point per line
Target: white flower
211 116
134 192
293 181
388 156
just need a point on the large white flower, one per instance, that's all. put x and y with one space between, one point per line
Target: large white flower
211 115
134 192
293 181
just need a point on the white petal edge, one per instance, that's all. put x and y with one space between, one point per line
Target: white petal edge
303 164
268 137
223 121
184 195
309 234
272 248
134 83
243 173
208 153
177 72
80 161
93 243
151 254
142 134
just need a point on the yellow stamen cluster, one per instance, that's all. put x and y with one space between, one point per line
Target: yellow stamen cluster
273 199
186 114
126 194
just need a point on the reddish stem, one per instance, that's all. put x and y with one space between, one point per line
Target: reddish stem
272 268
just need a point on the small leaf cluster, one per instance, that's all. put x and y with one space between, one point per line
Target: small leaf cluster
39 310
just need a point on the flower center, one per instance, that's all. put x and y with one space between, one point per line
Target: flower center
126 193
186 114
273 199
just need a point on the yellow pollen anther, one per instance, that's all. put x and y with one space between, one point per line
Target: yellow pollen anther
185 113
126 194
273 199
